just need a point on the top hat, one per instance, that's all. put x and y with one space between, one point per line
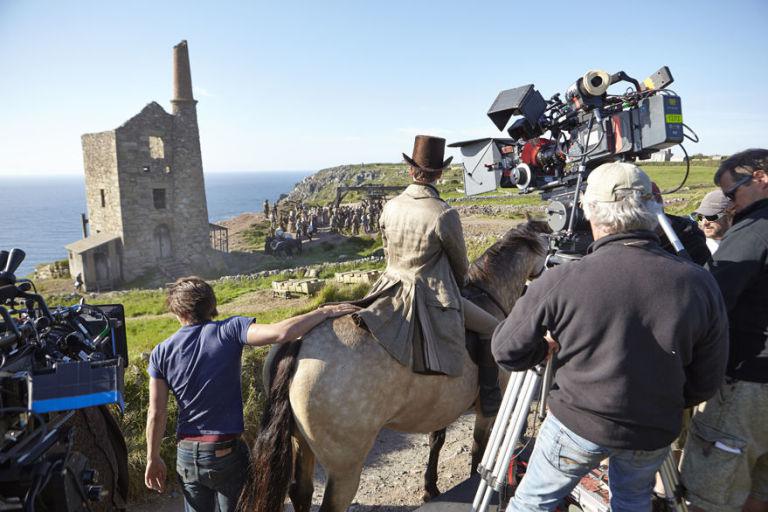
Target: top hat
428 153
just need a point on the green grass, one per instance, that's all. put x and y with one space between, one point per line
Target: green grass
137 302
667 176
351 248
670 176
256 235
475 249
144 333
697 185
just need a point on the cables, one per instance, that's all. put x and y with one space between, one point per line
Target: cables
688 136
687 171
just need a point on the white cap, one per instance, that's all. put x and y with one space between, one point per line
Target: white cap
607 179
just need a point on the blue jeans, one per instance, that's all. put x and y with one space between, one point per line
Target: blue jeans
207 479
561 458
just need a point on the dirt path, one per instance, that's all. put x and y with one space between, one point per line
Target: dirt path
253 303
475 226
392 478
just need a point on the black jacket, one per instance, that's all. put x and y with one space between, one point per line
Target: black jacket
740 266
690 235
643 334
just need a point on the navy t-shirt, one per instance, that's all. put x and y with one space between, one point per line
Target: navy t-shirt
201 365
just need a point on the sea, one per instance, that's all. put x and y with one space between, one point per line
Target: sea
41 214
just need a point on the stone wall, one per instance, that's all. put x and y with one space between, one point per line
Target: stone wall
101 268
55 270
139 175
101 181
149 174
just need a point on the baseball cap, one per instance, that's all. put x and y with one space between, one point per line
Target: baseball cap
713 203
606 180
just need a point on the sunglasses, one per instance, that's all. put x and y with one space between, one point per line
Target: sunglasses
711 218
731 192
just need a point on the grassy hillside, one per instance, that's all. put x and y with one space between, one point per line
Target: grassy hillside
320 188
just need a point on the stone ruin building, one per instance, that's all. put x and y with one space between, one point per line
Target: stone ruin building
145 196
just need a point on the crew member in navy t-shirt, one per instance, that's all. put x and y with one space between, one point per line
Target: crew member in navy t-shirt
200 365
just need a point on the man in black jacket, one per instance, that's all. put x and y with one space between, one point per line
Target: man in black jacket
726 456
687 231
642 334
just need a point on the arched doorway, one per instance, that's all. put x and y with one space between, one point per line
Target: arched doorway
162 242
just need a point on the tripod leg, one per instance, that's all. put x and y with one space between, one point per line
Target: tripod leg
491 449
510 410
506 432
670 478
515 429
507 406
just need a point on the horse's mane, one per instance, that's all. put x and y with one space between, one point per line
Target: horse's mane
499 256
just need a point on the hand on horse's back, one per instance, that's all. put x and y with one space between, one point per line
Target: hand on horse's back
334 310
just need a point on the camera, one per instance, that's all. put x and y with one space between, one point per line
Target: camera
56 363
555 143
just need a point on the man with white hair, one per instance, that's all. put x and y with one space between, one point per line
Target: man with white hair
639 334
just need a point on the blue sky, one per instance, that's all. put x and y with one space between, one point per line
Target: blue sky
307 85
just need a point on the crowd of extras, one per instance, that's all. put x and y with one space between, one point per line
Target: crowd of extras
302 222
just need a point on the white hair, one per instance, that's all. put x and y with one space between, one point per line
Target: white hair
631 211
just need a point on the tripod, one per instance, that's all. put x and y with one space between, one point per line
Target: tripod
510 422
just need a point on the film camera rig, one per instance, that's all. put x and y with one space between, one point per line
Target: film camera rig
53 362
552 148
555 143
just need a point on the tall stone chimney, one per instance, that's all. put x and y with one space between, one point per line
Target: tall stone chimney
182 77
192 233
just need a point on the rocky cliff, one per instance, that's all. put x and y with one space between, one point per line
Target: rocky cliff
320 188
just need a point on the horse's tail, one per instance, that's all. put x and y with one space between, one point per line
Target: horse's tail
271 458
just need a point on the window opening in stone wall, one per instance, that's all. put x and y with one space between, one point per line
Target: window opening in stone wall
156 147
158 197
145 168
103 198
167 169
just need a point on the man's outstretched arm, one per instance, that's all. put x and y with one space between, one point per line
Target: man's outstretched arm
295 327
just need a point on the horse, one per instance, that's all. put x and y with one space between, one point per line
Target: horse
332 393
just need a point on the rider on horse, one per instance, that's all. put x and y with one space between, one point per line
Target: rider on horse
415 310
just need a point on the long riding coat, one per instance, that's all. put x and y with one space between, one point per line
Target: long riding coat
415 309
